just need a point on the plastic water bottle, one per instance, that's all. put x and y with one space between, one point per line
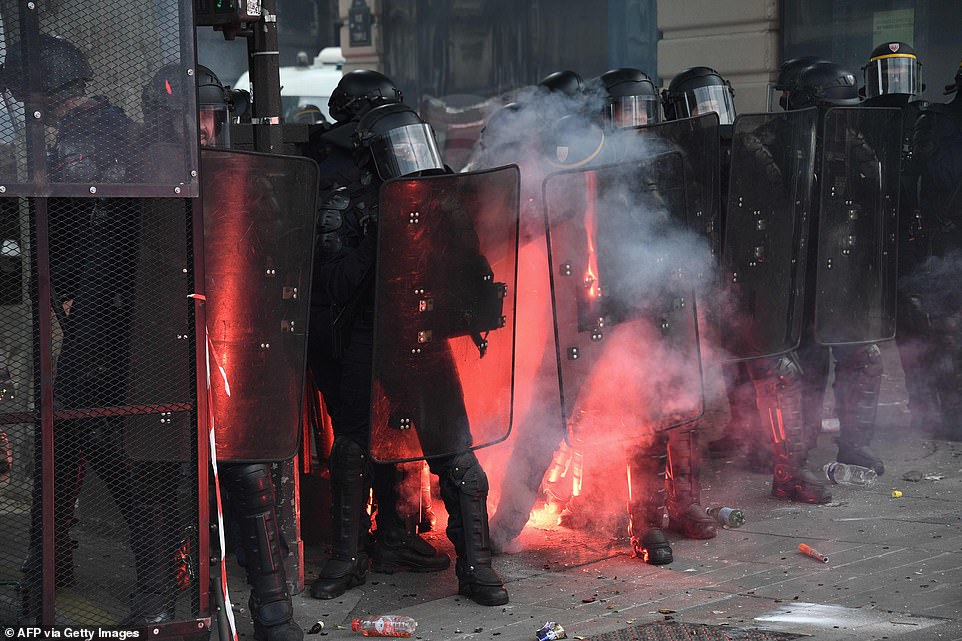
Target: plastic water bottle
848 474
386 625
729 516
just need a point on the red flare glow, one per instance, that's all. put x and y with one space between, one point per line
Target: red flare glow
591 271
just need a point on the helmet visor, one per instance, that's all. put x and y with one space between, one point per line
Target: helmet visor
406 150
213 126
631 111
703 100
895 74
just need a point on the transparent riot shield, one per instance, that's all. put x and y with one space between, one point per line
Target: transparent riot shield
766 229
259 212
696 139
624 308
444 319
857 225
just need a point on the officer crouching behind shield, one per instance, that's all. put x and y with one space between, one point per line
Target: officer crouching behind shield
390 141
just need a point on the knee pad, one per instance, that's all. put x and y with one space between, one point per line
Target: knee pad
250 487
348 460
465 471
867 360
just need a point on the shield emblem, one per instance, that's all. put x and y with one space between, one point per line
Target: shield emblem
893 47
561 153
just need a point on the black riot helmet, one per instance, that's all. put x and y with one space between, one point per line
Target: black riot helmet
893 68
64 70
214 107
399 142
632 99
501 131
787 75
359 91
569 83
572 142
697 91
824 83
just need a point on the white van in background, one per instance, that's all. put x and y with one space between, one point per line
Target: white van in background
306 84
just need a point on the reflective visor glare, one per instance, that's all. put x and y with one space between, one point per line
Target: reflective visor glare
406 150
703 100
894 75
633 111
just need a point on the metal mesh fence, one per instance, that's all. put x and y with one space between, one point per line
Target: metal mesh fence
99 474
116 450
88 90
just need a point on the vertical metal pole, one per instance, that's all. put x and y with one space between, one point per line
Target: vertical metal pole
262 56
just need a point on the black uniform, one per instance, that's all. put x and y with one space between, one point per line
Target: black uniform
344 301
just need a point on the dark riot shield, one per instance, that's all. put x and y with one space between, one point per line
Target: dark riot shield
444 320
696 139
857 225
625 318
259 215
766 230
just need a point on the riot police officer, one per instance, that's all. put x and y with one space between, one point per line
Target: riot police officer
693 92
248 487
858 368
396 546
390 141
937 147
893 78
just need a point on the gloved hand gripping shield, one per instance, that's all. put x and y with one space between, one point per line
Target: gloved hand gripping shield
624 308
444 314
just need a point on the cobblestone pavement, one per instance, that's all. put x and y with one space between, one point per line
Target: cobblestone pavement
894 570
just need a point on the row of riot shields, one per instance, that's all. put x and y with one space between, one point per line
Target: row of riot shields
778 222
630 247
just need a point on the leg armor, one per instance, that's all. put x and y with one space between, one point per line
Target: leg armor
685 514
858 376
252 499
778 383
464 490
742 427
917 350
646 502
815 362
350 483
397 547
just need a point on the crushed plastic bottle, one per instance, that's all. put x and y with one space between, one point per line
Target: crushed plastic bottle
732 517
386 625
848 474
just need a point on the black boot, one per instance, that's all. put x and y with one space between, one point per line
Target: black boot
646 503
858 377
347 566
464 490
397 548
779 387
251 493
685 514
